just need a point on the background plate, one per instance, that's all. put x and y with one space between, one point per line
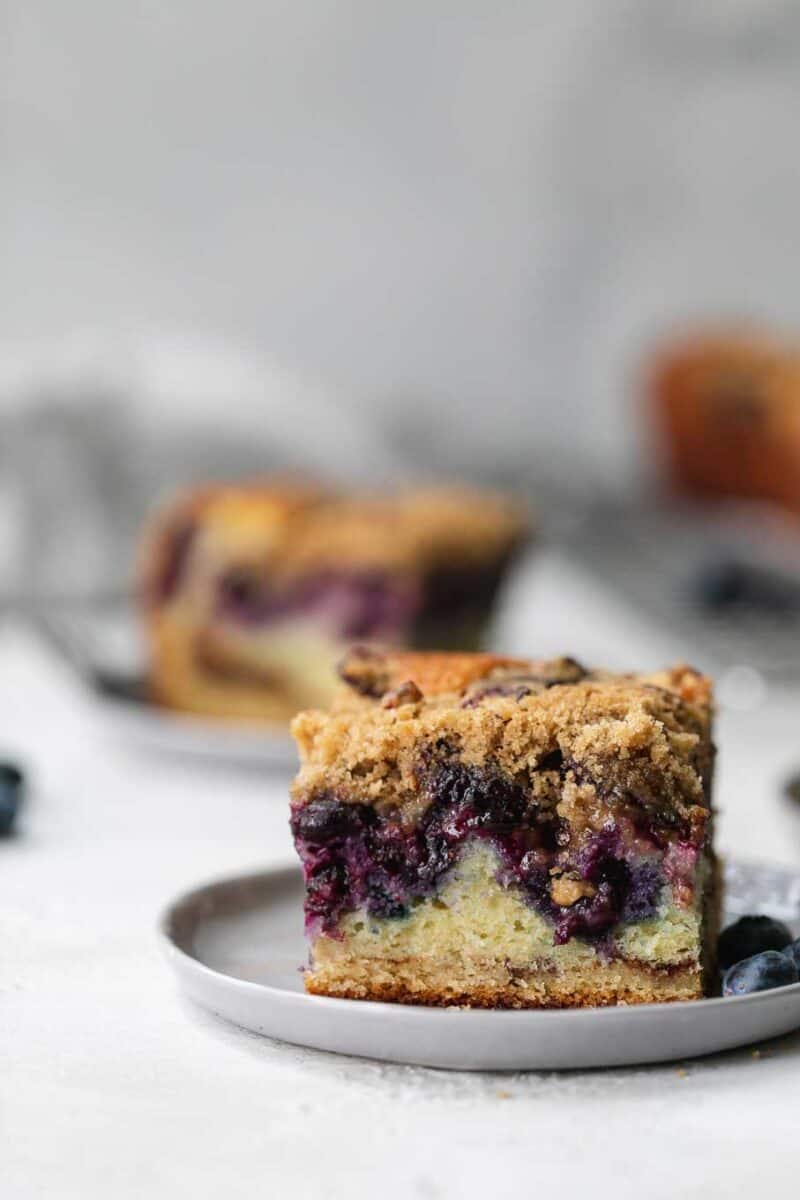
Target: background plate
102 643
237 947
126 713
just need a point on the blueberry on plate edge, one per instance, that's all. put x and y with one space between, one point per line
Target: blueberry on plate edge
760 973
749 936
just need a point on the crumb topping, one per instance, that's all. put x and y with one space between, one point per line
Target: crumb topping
572 737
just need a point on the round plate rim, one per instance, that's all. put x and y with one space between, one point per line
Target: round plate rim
194 733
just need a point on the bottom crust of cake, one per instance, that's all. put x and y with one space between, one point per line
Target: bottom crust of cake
487 984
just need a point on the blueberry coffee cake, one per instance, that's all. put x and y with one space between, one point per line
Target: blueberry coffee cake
493 832
251 592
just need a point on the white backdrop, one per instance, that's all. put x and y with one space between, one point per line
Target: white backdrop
466 218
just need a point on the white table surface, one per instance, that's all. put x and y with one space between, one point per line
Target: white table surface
112 1086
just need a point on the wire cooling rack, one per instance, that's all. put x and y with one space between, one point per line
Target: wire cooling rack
656 558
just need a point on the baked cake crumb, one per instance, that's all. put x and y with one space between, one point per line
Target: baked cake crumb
491 831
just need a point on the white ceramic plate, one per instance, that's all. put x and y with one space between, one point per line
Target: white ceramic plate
237 948
103 646
125 713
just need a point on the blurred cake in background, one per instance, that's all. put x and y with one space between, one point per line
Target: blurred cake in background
250 592
728 405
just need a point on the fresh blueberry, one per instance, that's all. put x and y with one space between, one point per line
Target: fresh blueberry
11 781
749 936
793 951
771 969
727 585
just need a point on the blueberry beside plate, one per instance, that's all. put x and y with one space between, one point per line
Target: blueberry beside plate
11 788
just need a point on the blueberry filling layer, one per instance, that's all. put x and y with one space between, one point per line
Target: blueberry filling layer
366 604
354 858
352 604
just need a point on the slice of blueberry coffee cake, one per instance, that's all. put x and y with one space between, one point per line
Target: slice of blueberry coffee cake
493 832
250 593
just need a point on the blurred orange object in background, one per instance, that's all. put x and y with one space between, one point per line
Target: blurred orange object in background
728 406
